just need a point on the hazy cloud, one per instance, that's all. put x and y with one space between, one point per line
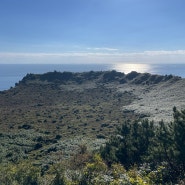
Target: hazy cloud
103 49
111 56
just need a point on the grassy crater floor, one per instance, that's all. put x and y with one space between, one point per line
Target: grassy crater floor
48 120
46 117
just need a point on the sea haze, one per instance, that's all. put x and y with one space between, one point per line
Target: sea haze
13 73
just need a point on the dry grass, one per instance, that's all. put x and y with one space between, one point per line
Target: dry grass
45 117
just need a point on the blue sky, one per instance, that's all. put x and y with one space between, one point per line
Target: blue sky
92 31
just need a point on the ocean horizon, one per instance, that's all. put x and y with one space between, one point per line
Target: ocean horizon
13 73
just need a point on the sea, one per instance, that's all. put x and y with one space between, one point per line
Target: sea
13 73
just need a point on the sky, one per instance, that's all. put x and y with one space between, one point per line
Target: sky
92 31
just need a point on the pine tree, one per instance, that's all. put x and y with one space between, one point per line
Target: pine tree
179 137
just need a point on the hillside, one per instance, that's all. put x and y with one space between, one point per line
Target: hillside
46 117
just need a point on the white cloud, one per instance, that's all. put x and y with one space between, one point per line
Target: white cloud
103 49
163 52
110 56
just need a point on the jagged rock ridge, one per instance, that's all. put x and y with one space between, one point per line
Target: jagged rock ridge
98 77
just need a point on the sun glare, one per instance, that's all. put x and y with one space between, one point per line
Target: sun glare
127 68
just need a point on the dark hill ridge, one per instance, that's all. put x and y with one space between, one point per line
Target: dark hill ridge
47 115
98 77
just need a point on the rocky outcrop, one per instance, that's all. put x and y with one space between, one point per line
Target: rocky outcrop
98 77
